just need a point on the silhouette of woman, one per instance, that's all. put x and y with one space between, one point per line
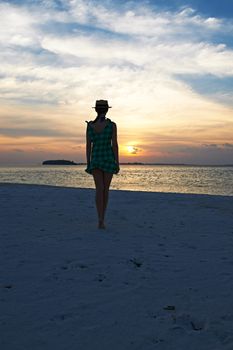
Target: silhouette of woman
102 155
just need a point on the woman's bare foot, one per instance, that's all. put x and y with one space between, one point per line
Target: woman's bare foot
101 224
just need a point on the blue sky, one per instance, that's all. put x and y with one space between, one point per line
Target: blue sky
215 8
166 67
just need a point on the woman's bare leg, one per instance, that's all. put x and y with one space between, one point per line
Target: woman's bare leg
99 197
107 182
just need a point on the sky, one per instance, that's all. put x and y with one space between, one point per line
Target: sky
165 67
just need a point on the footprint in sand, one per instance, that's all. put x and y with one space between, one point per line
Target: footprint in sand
189 322
137 262
72 264
8 286
101 277
62 317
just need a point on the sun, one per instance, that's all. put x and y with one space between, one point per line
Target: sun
131 149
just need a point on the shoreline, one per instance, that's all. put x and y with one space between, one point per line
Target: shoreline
114 189
160 275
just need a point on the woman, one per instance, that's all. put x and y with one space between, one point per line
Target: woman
102 155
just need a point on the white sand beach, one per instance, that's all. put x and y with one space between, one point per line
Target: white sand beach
159 277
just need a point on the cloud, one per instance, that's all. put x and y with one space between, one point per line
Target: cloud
27 123
17 150
219 146
63 57
34 132
147 44
141 19
228 145
194 153
211 145
59 67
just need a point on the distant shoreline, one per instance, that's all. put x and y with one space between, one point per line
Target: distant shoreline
59 162
71 162
135 163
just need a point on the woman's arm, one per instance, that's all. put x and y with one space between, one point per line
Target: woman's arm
115 144
88 147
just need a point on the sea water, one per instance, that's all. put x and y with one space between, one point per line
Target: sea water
153 178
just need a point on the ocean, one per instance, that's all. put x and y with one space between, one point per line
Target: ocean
216 180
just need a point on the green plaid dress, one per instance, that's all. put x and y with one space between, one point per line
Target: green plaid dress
102 156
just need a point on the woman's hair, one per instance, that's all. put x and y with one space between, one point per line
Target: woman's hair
98 113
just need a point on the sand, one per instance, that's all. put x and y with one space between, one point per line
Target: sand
159 277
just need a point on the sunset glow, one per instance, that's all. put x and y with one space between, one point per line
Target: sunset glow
166 70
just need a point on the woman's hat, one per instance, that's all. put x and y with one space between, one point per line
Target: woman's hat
101 103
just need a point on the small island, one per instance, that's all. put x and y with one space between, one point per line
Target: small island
59 162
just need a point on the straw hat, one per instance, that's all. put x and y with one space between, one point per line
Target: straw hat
101 103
